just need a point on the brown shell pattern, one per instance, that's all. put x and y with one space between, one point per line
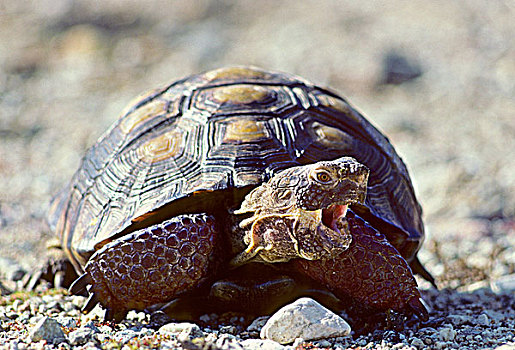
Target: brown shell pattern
226 128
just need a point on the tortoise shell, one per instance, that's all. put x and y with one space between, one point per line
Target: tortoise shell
209 139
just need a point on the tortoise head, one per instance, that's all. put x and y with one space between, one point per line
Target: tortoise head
324 184
300 212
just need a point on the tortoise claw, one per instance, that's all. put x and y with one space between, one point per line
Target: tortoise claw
59 279
109 314
79 286
418 268
59 273
114 315
90 303
34 280
419 308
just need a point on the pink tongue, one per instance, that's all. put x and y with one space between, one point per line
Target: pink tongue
331 215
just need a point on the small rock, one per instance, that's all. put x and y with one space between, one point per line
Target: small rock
159 318
204 318
483 320
458 320
66 321
4 290
80 336
306 319
64 346
258 344
475 286
183 330
101 337
11 270
446 334
297 343
105 329
323 343
136 316
494 315
398 68
47 329
257 324
91 325
124 336
228 342
504 284
89 346
229 329
441 345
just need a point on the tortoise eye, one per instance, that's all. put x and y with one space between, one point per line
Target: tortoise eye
323 177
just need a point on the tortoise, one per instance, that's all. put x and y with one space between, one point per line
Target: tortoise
241 175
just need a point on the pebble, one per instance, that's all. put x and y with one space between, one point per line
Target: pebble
458 320
11 270
323 343
264 344
306 319
228 342
47 329
417 342
124 336
398 68
80 336
67 321
183 330
446 333
483 320
504 284
257 324
494 315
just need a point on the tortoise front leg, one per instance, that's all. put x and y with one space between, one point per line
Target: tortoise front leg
371 273
150 266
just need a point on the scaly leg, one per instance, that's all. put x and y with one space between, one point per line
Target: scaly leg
150 266
371 273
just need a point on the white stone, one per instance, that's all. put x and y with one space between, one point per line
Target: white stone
458 320
306 319
124 336
80 336
504 284
446 333
183 330
483 320
179 327
261 344
66 321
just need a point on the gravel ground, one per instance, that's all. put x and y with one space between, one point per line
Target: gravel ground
67 68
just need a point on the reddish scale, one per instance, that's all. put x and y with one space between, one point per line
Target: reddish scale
370 272
155 264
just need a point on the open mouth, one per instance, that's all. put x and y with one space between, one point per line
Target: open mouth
332 214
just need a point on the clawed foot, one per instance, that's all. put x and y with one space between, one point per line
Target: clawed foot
371 273
58 272
150 266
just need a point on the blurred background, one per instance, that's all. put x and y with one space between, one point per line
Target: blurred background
438 77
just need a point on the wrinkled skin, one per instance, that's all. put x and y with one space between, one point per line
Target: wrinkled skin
294 214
